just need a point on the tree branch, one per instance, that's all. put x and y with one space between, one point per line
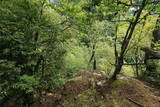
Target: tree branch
135 102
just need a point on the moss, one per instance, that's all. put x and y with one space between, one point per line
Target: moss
115 103
129 86
120 82
128 71
85 99
114 92
88 98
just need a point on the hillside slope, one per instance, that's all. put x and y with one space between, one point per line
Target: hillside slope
90 89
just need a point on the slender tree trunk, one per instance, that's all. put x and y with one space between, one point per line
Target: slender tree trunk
126 41
136 60
116 54
118 68
94 64
93 58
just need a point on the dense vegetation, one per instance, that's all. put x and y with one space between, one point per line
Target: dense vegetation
43 43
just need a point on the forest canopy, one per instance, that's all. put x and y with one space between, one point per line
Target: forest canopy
45 43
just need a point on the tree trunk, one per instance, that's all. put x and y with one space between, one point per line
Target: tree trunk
93 58
94 64
118 68
126 40
136 61
156 38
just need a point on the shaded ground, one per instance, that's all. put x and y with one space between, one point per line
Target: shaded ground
91 89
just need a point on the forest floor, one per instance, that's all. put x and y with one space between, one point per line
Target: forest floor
92 89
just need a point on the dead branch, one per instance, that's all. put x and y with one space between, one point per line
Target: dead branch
135 102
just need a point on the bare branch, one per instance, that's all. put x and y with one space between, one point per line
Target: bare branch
135 102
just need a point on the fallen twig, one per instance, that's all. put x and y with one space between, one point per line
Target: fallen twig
135 102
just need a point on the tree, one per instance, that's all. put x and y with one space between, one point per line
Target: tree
31 49
127 38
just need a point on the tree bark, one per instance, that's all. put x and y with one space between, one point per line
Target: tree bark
93 58
94 64
150 53
118 68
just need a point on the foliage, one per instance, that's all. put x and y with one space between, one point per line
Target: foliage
31 48
43 43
